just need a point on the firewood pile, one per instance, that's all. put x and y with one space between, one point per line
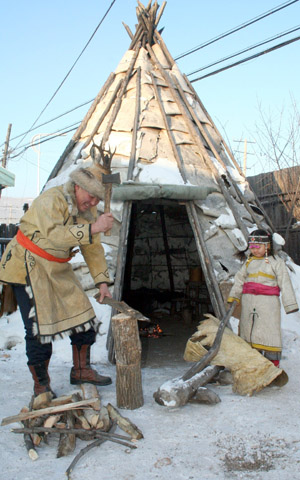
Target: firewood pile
78 415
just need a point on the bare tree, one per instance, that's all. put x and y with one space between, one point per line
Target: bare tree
277 147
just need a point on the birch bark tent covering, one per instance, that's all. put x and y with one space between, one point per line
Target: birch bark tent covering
168 152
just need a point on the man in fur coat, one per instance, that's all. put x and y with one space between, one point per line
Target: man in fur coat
50 297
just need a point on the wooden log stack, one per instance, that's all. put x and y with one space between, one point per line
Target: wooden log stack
78 415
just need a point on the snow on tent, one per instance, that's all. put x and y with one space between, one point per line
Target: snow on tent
183 210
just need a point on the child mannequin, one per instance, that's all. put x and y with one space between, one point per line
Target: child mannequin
258 284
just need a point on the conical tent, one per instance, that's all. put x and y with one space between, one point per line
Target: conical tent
183 202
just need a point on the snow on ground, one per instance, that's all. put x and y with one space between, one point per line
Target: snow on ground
249 438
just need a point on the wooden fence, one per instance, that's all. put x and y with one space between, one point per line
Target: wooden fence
7 232
279 194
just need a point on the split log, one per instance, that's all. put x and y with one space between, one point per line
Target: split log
67 441
128 351
124 423
81 421
52 420
91 414
30 447
177 392
104 423
48 411
41 401
36 439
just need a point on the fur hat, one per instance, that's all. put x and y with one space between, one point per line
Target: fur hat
90 179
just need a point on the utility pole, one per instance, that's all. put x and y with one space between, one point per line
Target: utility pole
6 144
245 155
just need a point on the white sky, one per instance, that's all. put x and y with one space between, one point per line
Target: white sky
40 41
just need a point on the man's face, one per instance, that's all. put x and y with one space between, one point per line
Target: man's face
84 200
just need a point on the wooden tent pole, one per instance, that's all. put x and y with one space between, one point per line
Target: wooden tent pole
191 128
120 270
159 15
170 135
167 249
215 152
118 102
140 30
128 30
229 153
206 263
81 127
127 209
164 48
215 127
132 158
102 117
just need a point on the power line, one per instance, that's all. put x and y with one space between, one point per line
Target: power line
280 7
284 44
245 50
62 82
60 133
236 29
188 74
51 120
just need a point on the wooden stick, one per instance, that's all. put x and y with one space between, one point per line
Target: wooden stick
118 101
91 432
168 130
132 158
47 411
210 143
128 30
205 260
83 451
32 453
101 118
227 149
81 127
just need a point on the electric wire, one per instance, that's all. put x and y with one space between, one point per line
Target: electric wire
280 7
236 29
58 133
264 42
276 47
66 76
51 120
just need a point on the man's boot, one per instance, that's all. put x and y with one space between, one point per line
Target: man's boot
41 378
81 371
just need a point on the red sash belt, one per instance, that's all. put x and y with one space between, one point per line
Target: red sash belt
32 247
260 289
